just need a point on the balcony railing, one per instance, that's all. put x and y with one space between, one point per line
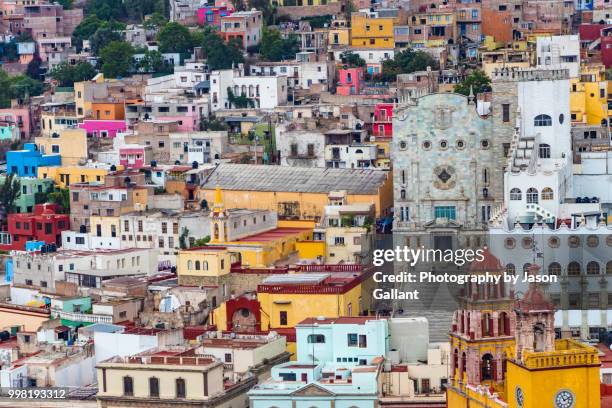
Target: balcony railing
82 317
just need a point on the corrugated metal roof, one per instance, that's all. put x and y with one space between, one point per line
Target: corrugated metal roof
248 177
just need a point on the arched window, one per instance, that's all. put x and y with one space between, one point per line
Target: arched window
609 268
455 361
554 269
532 196
526 268
463 362
539 341
592 268
542 120
128 386
573 268
544 151
197 265
205 265
516 194
504 324
316 338
488 367
510 269
189 265
547 193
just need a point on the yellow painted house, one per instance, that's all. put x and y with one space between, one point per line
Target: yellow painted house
504 352
283 301
371 32
589 96
63 176
71 144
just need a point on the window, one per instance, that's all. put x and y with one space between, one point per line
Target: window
282 317
592 268
510 269
228 357
128 386
448 212
352 340
154 387
554 269
506 112
547 193
573 269
532 196
542 120
363 341
316 338
180 388
544 151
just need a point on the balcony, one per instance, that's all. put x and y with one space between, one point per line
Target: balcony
81 317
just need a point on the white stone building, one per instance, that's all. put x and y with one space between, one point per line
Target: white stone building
559 52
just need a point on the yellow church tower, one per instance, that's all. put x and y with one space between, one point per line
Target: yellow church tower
218 218
520 365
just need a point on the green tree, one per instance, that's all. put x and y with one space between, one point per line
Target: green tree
239 101
66 4
102 37
477 81
61 197
175 37
183 238
34 71
23 87
352 60
153 61
275 48
106 9
212 124
85 30
67 74
405 62
10 191
218 54
201 241
117 59
155 21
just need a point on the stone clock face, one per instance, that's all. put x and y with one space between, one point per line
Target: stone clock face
564 399
520 397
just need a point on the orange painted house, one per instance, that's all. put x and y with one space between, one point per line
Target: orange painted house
108 110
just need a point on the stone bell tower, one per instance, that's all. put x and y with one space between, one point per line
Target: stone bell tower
535 320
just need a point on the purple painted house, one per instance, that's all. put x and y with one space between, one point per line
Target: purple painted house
103 128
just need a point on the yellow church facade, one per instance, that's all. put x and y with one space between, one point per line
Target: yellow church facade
504 352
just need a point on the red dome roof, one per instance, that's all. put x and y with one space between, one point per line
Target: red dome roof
489 263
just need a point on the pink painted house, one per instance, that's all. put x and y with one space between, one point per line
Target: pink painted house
21 117
212 15
134 156
189 122
350 82
103 128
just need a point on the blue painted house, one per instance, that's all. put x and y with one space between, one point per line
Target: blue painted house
338 365
25 163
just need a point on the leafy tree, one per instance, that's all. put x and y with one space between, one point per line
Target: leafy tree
352 60
201 241
106 9
220 55
183 238
239 101
61 197
405 62
174 37
117 59
34 71
67 74
153 61
265 6
212 124
22 87
477 80
155 21
66 4
25 37
10 191
85 30
275 48
102 37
